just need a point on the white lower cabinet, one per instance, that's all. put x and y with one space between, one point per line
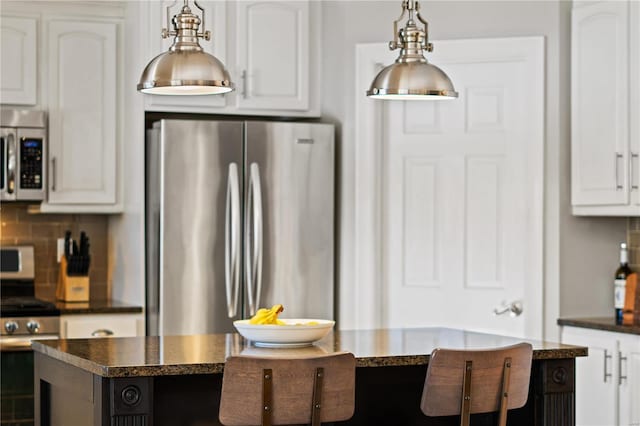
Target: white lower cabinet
608 380
101 325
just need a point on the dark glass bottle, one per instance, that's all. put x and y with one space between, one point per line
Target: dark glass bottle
620 282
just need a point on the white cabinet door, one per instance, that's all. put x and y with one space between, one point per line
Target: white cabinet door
634 140
101 325
18 63
83 124
599 103
629 380
596 379
272 55
214 21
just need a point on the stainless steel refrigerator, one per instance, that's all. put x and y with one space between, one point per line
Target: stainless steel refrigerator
239 216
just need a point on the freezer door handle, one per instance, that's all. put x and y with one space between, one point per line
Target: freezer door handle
232 243
253 240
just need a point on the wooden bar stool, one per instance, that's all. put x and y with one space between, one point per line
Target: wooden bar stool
287 391
465 382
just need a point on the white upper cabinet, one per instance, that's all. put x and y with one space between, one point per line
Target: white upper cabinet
215 21
18 62
272 54
83 96
271 49
604 95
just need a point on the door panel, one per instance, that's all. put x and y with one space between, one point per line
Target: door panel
195 158
296 169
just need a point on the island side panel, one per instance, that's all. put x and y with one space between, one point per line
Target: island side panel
65 395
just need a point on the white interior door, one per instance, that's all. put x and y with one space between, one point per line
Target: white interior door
462 203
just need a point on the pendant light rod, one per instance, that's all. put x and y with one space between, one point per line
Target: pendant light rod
409 6
167 32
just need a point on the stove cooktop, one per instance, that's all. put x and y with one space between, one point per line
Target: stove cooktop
26 306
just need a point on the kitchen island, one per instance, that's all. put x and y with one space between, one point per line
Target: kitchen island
176 380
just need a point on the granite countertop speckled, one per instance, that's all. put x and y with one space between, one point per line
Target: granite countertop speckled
206 354
600 323
96 307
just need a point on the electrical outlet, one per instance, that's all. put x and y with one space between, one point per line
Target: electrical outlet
60 252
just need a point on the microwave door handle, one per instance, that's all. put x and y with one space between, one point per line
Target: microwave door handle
11 163
253 240
232 246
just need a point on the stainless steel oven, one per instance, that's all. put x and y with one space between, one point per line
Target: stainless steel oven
23 152
23 318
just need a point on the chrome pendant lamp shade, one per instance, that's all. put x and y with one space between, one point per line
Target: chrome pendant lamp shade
411 76
186 69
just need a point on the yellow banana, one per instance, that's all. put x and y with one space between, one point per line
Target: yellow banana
267 316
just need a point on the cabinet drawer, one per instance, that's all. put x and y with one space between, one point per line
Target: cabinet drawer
88 326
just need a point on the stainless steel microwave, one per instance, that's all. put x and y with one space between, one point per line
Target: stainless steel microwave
23 152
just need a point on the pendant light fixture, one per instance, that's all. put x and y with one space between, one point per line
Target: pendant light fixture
186 69
411 76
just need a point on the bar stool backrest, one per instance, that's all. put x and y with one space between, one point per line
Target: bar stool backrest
286 391
463 382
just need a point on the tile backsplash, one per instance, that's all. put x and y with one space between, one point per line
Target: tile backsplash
17 226
633 240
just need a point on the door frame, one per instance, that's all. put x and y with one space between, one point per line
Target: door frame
364 301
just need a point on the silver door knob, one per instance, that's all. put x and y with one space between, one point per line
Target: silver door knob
514 309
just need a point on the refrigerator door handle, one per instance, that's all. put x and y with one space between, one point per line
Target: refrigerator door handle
253 240
232 245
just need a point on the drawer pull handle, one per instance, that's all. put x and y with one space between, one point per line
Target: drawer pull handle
103 332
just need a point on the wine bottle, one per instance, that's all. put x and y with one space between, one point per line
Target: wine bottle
620 282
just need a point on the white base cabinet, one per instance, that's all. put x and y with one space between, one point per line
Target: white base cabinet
608 380
101 325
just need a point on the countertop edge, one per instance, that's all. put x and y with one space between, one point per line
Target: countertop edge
599 323
216 368
97 307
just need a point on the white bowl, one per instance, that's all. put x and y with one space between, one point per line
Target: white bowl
295 333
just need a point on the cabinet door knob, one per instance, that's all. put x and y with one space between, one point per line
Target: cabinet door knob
103 332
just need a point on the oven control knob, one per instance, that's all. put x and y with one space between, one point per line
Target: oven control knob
11 326
33 327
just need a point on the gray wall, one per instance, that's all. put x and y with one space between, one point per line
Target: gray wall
580 253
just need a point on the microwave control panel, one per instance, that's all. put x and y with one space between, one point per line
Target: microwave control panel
31 159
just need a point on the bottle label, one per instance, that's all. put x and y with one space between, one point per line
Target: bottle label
618 293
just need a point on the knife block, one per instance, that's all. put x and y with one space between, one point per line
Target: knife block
71 288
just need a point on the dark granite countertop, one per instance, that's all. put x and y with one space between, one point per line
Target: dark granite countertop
206 354
97 307
600 323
